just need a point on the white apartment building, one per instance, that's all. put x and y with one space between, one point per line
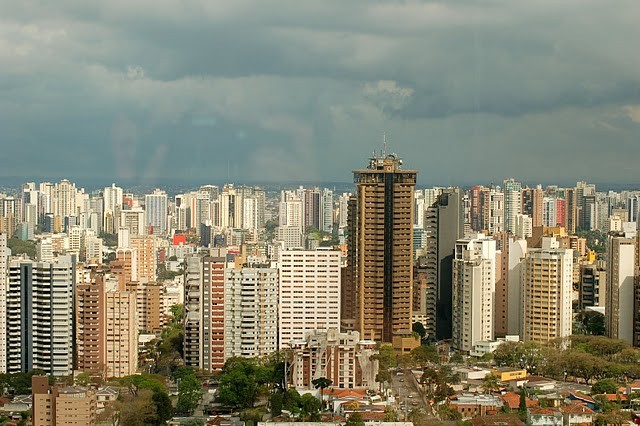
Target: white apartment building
547 292
619 312
524 226
40 316
549 211
495 219
250 311
517 254
290 236
155 207
4 257
474 286
133 220
309 293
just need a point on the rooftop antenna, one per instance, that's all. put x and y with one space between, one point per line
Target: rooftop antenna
384 144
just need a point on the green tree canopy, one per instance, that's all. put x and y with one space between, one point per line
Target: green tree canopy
189 390
604 386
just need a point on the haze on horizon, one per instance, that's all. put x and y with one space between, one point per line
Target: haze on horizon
284 90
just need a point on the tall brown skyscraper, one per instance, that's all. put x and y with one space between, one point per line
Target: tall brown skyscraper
380 257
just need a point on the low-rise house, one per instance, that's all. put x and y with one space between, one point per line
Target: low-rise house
471 373
580 398
577 414
338 398
540 384
512 400
554 400
106 395
538 416
472 405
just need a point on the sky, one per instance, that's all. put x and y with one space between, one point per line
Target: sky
296 90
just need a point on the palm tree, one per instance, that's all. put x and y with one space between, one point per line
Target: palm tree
321 383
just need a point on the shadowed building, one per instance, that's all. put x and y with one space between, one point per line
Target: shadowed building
380 258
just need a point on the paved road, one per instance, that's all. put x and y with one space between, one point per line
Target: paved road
407 393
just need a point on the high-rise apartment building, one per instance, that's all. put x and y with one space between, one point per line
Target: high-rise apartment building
547 292
106 329
492 211
621 308
592 286
134 221
309 288
204 305
380 254
474 286
155 207
146 257
524 226
532 204
445 226
512 204
40 316
251 311
4 258
326 210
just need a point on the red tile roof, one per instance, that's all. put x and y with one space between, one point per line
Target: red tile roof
543 411
512 399
576 409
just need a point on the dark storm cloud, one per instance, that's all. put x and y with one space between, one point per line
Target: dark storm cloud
251 90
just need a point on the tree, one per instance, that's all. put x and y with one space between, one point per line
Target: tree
390 414
276 401
134 410
240 381
522 408
424 354
83 379
310 407
355 419
189 393
418 327
321 383
604 386
141 384
490 383
592 323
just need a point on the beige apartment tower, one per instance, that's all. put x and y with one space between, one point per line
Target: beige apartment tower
380 256
65 406
106 330
547 292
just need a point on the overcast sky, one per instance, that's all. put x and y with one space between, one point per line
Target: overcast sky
294 90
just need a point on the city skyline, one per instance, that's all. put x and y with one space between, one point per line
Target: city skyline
234 91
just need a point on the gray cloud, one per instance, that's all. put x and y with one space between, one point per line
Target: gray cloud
290 90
